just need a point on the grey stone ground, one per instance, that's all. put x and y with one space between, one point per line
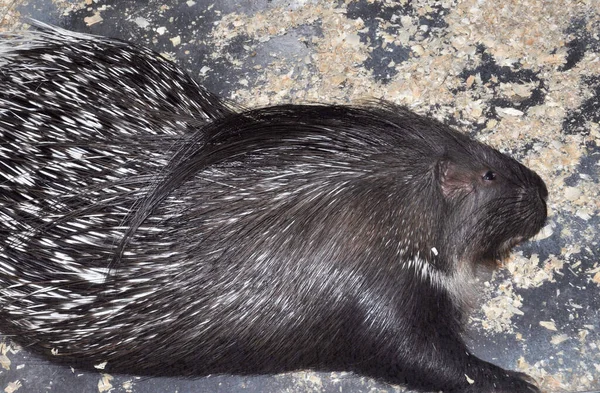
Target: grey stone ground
523 76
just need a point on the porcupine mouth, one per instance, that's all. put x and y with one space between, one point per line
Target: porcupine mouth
505 249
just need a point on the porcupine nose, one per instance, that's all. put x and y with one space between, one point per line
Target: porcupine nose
543 191
540 185
543 197
537 197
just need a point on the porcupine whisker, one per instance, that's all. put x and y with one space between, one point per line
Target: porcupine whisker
140 204
65 218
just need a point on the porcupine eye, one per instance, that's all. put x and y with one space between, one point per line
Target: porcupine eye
489 176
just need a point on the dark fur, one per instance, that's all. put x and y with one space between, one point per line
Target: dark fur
272 240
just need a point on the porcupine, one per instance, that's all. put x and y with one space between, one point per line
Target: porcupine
135 232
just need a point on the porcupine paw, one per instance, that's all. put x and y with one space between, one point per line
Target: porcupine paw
521 383
506 382
515 382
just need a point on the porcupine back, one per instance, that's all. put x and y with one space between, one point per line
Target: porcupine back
86 124
282 238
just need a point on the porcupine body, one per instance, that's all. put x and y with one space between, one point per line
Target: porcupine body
276 239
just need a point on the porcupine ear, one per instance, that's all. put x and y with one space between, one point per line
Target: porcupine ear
455 180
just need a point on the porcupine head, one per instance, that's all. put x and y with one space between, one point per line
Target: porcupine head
484 203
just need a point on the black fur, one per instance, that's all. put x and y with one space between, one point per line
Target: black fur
276 239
